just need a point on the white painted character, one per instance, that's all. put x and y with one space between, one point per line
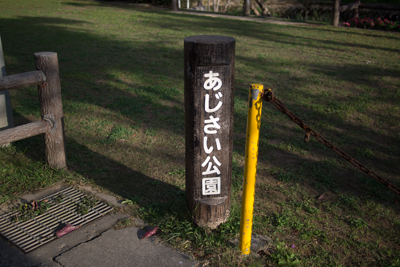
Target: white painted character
211 123
211 186
207 105
210 168
207 149
212 82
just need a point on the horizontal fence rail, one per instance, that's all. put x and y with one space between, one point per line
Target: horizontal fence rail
22 80
358 5
47 78
24 131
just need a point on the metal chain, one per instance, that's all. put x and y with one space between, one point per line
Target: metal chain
268 96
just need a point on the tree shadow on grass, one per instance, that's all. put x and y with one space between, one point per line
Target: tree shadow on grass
271 32
112 175
139 81
281 141
139 103
262 32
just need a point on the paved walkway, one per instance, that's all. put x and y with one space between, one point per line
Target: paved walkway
96 244
251 18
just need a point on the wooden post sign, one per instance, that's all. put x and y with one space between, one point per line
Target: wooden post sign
209 84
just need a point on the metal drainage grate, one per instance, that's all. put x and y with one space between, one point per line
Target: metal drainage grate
37 231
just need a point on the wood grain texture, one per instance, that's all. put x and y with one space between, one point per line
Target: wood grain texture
204 54
51 109
22 80
23 131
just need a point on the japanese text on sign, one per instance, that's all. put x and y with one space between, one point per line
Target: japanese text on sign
211 165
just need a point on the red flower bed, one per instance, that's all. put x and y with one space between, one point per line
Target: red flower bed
368 23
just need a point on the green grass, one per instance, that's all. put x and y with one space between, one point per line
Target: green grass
121 70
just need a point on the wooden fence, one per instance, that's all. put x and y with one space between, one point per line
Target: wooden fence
357 5
52 123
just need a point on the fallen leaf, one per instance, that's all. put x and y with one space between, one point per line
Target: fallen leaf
321 196
150 233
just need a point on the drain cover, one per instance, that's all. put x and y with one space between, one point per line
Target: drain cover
66 207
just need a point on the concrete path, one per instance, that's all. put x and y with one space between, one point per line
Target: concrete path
251 18
96 244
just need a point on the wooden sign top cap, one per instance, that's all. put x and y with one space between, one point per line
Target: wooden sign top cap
210 39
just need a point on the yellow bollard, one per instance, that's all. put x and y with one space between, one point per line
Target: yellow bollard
250 168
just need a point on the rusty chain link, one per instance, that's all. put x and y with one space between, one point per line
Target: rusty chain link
268 96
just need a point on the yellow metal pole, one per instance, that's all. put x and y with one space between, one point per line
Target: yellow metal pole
250 167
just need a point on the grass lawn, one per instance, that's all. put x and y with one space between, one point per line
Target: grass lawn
121 70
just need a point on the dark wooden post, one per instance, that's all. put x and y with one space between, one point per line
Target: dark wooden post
174 7
336 13
209 91
246 8
51 109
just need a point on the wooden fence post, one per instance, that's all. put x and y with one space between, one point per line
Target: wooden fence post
174 7
246 8
336 13
51 109
209 95
6 115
